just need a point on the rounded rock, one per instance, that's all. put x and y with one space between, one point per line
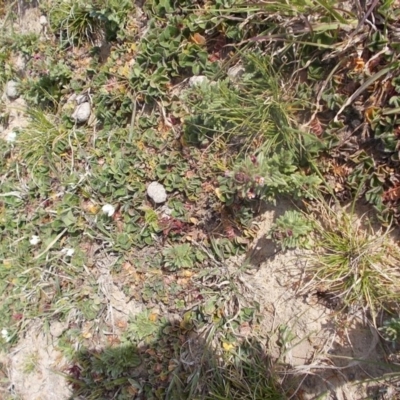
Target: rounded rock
12 91
157 192
82 113
57 328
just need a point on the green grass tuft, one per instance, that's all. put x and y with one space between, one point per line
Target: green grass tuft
356 264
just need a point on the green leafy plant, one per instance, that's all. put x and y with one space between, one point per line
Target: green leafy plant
24 43
114 362
263 177
143 325
245 373
181 256
291 230
265 130
257 108
391 329
95 374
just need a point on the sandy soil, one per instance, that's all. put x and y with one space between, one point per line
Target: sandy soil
332 353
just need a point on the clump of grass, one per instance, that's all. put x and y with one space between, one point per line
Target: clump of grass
245 378
31 362
41 141
77 22
243 374
258 109
356 264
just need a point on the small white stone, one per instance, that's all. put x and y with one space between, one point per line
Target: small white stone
157 192
43 20
82 113
34 240
11 137
12 90
57 328
197 80
108 209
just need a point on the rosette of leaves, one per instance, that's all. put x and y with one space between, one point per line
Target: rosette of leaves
391 329
264 178
292 230
181 256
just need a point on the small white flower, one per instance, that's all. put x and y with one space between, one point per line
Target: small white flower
11 137
108 209
68 252
43 20
34 240
5 335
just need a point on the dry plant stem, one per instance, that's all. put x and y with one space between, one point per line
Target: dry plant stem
321 92
133 119
366 15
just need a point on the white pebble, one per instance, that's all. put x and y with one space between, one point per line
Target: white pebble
157 192
82 113
12 90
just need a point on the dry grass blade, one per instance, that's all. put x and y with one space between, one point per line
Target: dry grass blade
363 87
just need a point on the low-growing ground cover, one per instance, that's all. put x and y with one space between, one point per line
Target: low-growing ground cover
229 107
